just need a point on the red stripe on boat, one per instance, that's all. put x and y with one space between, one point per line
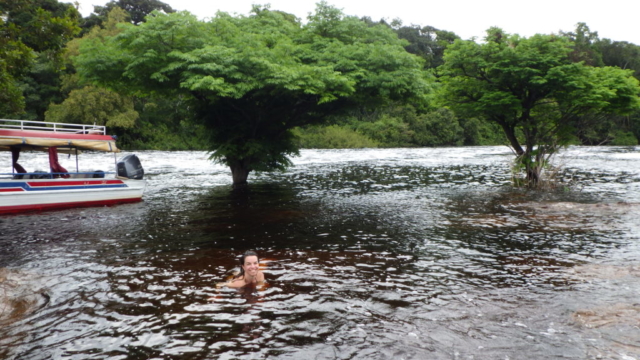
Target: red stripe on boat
11 189
74 183
42 207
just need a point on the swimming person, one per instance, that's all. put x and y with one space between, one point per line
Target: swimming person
250 273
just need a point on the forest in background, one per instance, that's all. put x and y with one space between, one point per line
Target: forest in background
39 40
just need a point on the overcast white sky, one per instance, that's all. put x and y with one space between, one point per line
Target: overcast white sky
613 19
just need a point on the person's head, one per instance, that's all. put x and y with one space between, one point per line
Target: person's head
249 262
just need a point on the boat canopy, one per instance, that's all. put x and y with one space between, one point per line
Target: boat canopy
40 135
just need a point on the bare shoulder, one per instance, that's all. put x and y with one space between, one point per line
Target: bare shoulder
236 283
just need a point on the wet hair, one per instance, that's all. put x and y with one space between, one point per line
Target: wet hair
246 253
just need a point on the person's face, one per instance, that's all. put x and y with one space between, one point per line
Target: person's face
251 265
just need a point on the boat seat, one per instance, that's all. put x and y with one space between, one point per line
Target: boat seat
40 175
96 174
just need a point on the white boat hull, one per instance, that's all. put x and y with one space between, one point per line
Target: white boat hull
45 194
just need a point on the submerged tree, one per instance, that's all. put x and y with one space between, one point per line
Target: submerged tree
532 90
252 79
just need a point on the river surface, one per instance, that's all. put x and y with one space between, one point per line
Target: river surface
368 254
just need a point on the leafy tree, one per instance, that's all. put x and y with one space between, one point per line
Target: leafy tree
597 129
622 54
252 79
33 34
388 130
332 137
92 105
140 123
532 90
427 42
403 125
165 123
478 132
439 127
584 45
43 25
15 60
136 11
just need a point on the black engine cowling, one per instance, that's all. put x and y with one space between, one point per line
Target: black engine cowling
130 167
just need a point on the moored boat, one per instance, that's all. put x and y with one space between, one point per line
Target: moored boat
21 190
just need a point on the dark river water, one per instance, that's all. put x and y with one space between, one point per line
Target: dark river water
368 254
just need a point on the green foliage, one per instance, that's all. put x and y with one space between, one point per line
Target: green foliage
332 137
621 54
164 124
252 79
43 25
608 129
388 130
32 38
92 105
584 46
11 99
135 12
400 126
15 60
624 138
439 127
478 132
16 56
427 42
532 90
633 124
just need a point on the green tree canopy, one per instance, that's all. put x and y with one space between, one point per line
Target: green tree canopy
621 54
584 45
15 60
136 11
252 79
530 87
427 42
33 34
91 105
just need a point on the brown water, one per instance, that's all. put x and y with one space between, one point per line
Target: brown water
368 254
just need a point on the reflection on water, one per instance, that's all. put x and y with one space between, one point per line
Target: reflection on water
368 254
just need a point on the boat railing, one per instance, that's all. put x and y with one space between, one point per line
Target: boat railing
51 126
98 174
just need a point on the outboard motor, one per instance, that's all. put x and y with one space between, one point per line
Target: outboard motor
130 167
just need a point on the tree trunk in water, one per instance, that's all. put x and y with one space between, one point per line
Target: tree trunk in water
533 176
239 172
532 168
510 133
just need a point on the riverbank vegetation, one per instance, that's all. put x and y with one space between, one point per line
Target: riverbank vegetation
254 89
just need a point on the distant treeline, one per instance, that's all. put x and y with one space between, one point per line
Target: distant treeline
41 80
